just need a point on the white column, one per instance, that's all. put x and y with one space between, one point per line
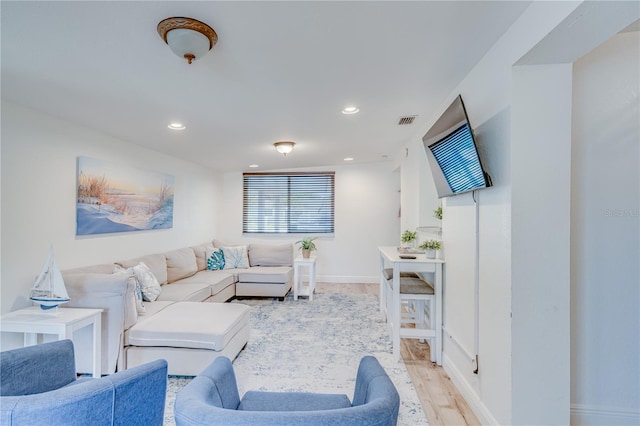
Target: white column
540 259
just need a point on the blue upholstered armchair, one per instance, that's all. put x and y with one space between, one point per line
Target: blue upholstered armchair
212 398
38 386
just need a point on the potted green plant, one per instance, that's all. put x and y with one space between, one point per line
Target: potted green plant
307 245
430 247
408 238
437 213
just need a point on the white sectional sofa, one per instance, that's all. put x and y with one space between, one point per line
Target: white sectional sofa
188 324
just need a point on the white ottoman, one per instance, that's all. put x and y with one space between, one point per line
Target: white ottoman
189 335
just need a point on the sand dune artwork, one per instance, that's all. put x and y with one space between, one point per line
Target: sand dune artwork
113 198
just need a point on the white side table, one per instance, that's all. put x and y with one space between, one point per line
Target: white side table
62 322
298 288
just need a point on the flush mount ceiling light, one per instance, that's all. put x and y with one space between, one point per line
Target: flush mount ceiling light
188 38
177 126
350 110
284 147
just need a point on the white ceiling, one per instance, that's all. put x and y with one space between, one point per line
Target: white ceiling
280 71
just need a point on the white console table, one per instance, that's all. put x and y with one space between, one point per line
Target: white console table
61 322
298 288
390 295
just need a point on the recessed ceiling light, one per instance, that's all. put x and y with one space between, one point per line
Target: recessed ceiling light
348 158
253 166
350 110
177 126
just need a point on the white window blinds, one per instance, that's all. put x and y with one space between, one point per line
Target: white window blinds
288 203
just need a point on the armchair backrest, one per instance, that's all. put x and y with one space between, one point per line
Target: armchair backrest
133 396
212 399
37 369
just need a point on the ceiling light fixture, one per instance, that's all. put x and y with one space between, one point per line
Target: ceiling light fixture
348 158
253 166
177 126
187 38
284 147
350 110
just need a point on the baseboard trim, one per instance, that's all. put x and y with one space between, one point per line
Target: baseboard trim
594 415
581 415
468 393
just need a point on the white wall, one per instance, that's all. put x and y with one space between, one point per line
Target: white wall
38 197
418 192
605 234
486 92
566 28
366 216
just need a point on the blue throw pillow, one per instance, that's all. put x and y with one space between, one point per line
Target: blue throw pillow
215 260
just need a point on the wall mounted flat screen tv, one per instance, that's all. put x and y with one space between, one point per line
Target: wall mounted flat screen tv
453 155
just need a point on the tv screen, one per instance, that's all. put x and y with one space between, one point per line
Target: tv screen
453 156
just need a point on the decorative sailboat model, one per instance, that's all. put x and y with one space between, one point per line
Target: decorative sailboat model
49 290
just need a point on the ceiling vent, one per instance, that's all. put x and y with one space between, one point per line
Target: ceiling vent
406 120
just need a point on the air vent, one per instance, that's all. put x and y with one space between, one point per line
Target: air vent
406 120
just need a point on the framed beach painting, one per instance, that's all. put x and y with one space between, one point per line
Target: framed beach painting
112 198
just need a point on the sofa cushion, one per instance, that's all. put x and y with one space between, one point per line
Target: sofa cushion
235 257
181 264
182 325
187 292
271 254
156 262
201 255
266 274
292 401
388 274
151 308
216 280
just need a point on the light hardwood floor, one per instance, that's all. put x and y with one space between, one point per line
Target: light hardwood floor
441 401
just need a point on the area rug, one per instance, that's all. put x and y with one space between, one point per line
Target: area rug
314 346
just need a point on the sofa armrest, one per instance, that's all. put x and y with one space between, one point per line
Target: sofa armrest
114 294
48 367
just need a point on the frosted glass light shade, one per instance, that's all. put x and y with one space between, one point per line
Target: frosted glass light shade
284 147
184 42
188 38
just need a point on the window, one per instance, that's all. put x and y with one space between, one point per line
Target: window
288 203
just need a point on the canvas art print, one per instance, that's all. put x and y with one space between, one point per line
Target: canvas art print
113 198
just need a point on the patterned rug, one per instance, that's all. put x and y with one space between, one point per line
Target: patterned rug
314 347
